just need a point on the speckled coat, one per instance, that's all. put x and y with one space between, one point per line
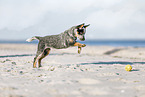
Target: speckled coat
59 41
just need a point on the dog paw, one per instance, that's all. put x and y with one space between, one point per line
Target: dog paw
79 51
83 45
40 66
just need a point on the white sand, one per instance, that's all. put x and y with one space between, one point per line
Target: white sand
99 71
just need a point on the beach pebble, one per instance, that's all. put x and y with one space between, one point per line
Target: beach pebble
51 68
28 61
75 68
2 61
77 65
8 70
21 72
81 69
14 63
8 60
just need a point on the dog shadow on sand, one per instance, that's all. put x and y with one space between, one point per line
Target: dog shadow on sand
113 62
24 55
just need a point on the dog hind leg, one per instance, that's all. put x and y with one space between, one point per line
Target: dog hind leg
40 49
36 59
43 55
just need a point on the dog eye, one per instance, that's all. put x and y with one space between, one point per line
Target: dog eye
80 31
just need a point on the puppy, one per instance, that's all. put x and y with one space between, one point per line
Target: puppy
63 40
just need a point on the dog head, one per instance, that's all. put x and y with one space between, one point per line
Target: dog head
80 31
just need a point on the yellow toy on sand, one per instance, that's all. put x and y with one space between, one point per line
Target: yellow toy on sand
128 67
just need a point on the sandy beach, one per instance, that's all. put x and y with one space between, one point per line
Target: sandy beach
99 71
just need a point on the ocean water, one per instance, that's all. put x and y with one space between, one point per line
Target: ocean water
116 43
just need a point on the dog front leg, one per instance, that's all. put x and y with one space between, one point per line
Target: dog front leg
79 49
79 46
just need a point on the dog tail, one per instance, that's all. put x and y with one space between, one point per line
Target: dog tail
33 38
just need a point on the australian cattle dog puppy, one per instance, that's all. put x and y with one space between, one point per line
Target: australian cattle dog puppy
63 40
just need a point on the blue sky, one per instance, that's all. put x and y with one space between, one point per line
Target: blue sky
109 19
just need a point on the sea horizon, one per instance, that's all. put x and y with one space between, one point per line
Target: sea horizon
116 43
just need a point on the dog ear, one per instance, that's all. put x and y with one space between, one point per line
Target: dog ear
80 26
86 26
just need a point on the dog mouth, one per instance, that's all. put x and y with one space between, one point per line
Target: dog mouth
81 38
